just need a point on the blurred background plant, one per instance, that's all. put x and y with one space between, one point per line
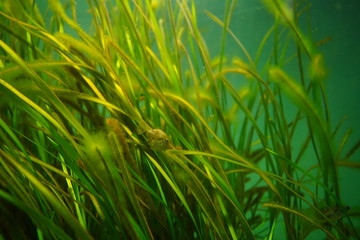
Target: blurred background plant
132 129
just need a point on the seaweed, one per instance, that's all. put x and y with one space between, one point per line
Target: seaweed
133 128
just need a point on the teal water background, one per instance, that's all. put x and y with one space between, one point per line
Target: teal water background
338 20
341 20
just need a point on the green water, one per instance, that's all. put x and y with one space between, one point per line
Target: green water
336 20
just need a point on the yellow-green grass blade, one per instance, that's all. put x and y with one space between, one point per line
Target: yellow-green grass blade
14 138
125 160
317 125
220 217
46 90
58 204
43 223
162 198
174 187
283 10
297 213
231 33
204 123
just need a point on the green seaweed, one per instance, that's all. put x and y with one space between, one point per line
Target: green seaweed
133 129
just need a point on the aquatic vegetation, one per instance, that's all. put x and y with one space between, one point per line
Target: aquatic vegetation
132 128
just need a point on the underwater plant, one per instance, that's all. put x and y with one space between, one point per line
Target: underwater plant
134 128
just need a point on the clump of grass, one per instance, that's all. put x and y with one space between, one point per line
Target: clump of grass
133 130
